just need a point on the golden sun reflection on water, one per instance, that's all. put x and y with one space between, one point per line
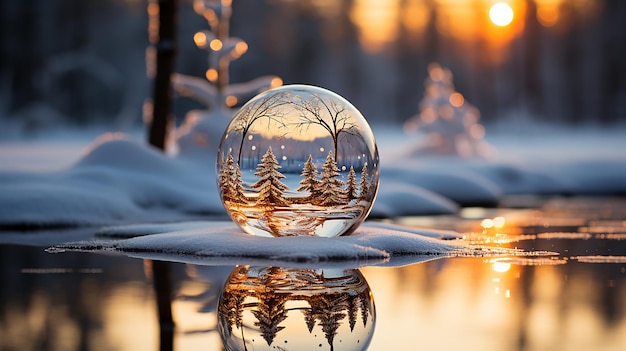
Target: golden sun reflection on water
489 308
127 308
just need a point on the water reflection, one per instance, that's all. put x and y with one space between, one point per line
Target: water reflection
573 301
263 308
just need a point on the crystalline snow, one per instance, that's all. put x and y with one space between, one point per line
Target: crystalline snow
211 240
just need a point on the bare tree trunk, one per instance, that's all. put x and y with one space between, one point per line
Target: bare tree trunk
165 57
162 283
158 127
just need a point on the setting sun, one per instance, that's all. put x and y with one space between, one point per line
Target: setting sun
501 14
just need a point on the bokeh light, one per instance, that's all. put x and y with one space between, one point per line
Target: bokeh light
501 14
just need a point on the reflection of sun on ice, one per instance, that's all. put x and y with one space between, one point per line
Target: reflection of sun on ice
501 267
501 14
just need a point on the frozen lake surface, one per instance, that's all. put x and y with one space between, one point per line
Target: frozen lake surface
103 298
574 300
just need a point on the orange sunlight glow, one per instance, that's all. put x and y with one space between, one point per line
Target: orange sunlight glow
216 45
276 82
211 74
492 23
456 99
548 12
377 22
501 266
501 14
231 101
200 39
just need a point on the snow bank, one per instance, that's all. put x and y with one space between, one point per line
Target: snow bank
121 181
225 243
116 181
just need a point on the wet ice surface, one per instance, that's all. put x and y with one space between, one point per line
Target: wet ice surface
575 300
213 243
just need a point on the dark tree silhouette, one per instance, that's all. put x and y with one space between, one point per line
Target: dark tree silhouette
230 311
270 313
353 308
309 318
162 91
157 132
329 114
329 311
264 108
365 300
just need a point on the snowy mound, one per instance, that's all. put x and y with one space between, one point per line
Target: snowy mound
120 181
224 243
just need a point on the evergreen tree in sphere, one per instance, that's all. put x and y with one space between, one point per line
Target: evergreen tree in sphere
270 187
331 187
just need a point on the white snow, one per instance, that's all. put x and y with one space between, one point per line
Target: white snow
600 259
224 243
118 180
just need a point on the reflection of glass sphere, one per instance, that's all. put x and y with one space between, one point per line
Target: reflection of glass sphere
273 308
298 160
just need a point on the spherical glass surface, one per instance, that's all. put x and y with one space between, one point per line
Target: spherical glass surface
298 160
275 308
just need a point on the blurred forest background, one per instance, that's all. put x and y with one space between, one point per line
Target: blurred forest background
75 62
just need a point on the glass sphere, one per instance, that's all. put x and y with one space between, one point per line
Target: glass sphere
298 160
275 308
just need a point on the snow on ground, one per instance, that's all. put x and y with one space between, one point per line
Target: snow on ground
119 180
224 243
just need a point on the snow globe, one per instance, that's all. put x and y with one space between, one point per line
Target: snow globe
276 308
298 160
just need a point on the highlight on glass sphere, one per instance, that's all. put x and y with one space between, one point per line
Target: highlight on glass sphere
276 308
298 160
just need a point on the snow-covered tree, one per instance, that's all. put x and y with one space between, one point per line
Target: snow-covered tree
237 183
230 182
203 129
222 178
351 189
310 181
331 187
364 187
448 122
270 187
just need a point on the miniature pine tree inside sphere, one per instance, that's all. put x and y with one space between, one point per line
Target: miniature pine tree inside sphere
298 160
